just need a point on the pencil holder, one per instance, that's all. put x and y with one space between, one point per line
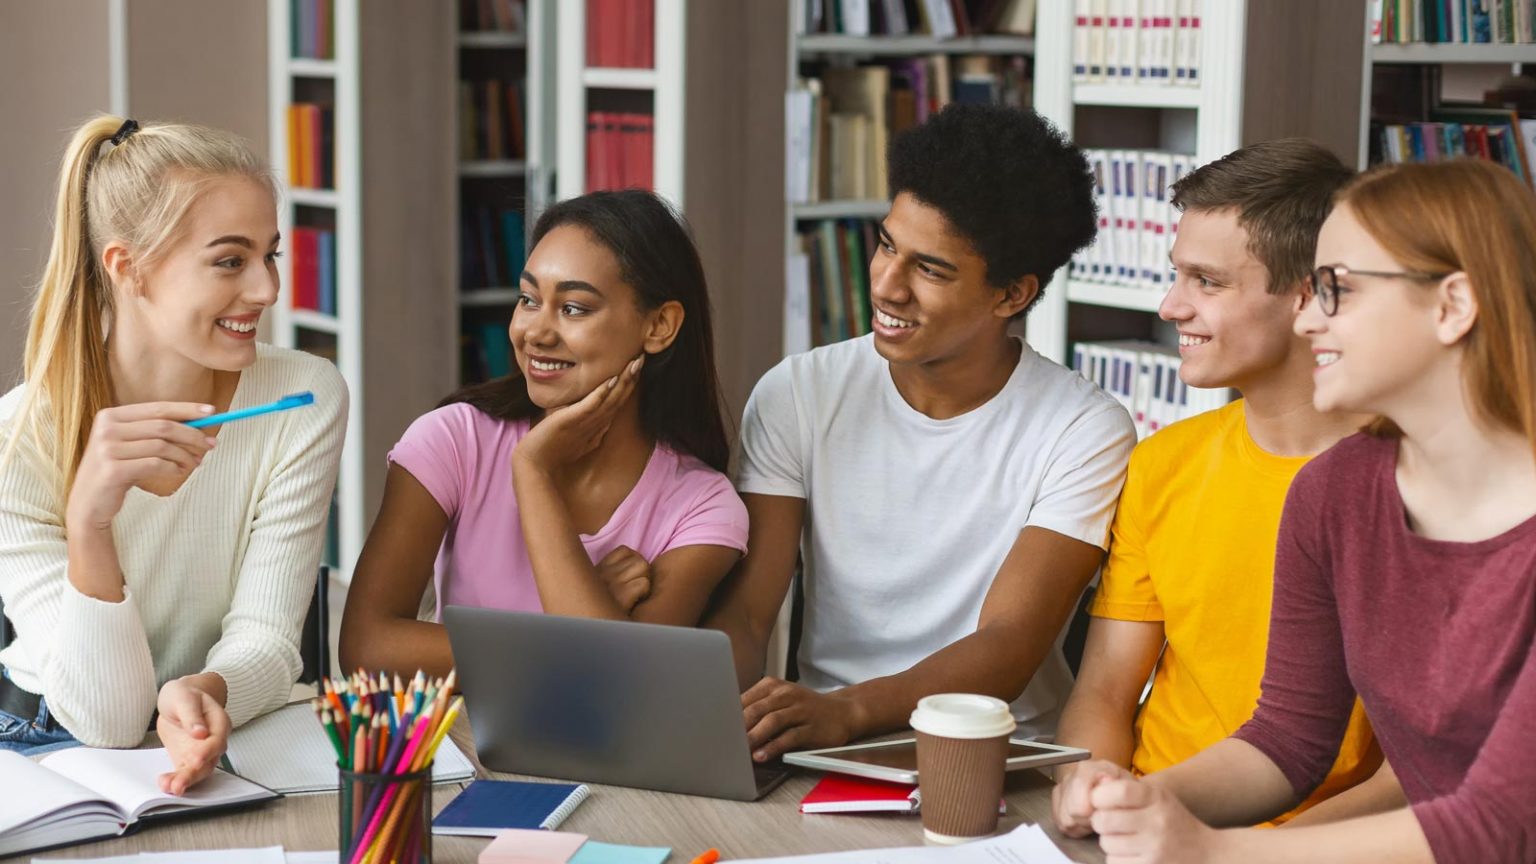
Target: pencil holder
385 817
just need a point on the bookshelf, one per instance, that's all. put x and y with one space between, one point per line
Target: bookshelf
510 181
384 179
1467 60
1268 69
825 67
657 92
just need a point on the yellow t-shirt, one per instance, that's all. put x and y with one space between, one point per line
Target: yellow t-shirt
1193 546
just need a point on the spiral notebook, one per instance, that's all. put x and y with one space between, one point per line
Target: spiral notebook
488 807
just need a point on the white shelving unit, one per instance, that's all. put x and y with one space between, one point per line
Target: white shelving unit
1211 126
536 45
575 81
291 327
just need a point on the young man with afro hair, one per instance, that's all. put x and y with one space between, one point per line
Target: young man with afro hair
949 489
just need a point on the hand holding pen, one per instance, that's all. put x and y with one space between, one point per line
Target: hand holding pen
143 445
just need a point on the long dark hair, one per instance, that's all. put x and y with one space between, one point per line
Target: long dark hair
679 390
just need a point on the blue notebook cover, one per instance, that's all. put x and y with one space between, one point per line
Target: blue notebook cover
491 806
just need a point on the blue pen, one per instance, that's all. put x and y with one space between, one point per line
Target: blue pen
292 400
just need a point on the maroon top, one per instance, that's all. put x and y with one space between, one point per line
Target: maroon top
1438 638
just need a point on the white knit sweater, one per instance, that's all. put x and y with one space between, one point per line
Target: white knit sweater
218 575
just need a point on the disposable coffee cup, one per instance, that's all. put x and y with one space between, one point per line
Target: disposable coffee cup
962 745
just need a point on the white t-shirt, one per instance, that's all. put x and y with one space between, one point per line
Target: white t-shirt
908 518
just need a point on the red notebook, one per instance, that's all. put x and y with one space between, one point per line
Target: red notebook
840 793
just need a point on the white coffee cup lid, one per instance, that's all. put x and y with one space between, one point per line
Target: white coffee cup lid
963 715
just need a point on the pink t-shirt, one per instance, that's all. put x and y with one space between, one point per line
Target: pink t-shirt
463 457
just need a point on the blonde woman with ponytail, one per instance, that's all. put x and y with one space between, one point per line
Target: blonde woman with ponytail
153 570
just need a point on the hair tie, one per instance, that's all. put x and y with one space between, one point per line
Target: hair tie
128 128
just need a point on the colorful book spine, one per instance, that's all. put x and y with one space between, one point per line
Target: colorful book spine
1144 377
621 34
311 29
620 150
311 146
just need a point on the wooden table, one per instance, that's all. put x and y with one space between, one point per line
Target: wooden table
614 814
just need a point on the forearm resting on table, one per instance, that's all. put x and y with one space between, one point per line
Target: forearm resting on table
1229 783
398 644
1100 715
1096 724
986 662
1384 838
1379 793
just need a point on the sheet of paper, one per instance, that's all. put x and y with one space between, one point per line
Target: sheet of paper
1026 844
311 857
287 751
268 855
593 852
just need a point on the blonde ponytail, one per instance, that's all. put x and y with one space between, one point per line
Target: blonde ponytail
137 192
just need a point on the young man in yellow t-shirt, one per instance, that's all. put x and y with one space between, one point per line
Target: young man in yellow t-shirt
1185 594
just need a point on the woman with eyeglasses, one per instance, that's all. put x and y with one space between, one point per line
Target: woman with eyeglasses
1406 565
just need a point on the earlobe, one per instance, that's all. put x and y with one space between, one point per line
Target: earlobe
1456 308
665 323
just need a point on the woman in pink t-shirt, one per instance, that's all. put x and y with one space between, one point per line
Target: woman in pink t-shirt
589 481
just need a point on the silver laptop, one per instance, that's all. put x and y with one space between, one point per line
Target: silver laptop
605 702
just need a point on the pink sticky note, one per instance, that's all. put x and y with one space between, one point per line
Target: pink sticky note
520 846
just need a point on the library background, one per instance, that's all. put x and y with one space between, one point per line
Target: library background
418 140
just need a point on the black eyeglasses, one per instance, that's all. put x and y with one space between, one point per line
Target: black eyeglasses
1323 283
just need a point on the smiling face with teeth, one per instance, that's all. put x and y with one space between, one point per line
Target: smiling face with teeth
1232 331
1381 343
203 297
932 303
577 322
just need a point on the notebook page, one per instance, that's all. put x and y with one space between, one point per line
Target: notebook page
130 779
288 751
46 792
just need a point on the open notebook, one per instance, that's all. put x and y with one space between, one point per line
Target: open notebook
288 751
85 794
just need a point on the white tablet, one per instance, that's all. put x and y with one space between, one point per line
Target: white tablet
897 760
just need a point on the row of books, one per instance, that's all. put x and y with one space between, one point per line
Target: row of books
944 19
1137 219
496 16
620 150
1153 42
312 29
621 34
1144 376
311 146
1460 21
314 269
493 244
839 123
491 119
485 351
1511 143
832 285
